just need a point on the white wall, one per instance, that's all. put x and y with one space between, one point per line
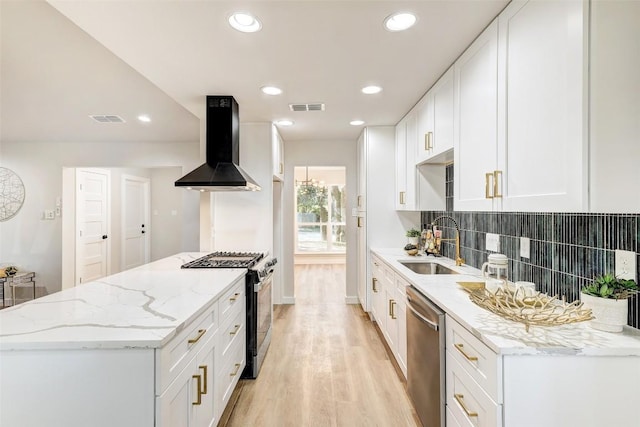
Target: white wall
33 243
167 215
318 153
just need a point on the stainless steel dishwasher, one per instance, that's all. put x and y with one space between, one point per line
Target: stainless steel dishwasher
425 358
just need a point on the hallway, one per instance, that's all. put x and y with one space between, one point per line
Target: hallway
326 365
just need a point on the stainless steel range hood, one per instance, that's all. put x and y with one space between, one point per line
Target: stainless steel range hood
221 172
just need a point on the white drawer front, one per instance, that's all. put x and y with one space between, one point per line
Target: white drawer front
231 299
232 365
232 331
452 421
482 364
172 358
466 400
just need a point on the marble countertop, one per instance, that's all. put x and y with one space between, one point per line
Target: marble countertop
502 335
139 308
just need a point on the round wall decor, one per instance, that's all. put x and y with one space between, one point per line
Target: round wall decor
11 194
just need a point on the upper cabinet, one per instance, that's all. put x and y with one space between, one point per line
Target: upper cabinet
435 120
475 118
278 154
520 110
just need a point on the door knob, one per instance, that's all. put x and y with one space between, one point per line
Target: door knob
142 231
104 236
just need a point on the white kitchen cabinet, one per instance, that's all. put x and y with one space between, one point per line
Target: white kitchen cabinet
435 121
421 187
520 111
475 122
484 388
400 311
377 292
542 106
277 151
378 224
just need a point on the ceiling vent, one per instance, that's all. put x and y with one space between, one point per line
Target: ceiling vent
101 118
306 107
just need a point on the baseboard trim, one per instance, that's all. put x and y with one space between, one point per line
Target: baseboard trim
288 300
351 300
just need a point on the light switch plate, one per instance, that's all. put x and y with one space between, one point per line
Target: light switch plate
625 262
49 214
525 247
493 242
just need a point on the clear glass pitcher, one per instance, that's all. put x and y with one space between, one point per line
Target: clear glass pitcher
496 268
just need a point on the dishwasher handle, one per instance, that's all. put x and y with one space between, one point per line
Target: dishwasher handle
428 322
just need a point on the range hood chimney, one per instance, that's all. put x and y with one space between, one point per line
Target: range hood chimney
221 172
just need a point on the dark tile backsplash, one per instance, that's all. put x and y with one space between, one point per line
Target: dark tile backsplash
566 249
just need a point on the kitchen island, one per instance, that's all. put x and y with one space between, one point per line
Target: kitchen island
498 374
138 348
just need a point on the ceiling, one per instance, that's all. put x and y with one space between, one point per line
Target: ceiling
316 51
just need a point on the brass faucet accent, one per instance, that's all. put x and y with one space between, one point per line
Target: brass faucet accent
459 260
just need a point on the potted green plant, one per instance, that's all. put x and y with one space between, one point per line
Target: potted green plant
607 296
413 235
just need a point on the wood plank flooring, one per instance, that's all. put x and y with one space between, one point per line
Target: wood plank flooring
326 365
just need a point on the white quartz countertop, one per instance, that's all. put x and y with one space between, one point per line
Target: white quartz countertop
139 308
502 335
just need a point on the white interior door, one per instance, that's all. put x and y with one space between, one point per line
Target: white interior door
135 221
92 224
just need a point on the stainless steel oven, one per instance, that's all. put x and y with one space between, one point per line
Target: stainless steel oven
259 314
259 283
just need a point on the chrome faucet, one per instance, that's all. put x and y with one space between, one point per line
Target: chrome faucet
459 260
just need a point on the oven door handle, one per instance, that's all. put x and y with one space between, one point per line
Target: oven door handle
258 286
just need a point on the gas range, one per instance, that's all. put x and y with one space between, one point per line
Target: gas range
226 260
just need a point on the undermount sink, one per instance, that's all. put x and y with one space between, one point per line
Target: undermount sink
427 267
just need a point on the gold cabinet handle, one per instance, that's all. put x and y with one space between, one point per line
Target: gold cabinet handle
429 140
460 348
201 332
198 379
234 297
459 398
374 287
359 201
281 169
426 141
237 368
402 197
235 331
496 182
204 375
392 313
487 186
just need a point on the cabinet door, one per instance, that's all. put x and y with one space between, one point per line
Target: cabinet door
377 292
208 412
401 315
411 198
475 116
425 128
401 165
542 143
362 170
277 153
442 95
391 329
177 405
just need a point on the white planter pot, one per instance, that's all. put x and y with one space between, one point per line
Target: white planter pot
413 240
610 314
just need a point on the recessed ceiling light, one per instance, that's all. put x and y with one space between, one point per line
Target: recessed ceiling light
370 90
356 122
245 22
271 90
284 123
400 21
144 118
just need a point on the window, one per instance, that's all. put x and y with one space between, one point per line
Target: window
320 210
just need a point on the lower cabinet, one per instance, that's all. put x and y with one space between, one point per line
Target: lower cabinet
389 310
484 388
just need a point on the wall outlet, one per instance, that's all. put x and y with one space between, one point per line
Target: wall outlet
493 242
625 264
49 214
525 247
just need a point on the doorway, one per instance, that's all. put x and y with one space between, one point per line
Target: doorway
135 221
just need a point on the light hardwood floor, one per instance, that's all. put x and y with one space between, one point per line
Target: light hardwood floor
326 365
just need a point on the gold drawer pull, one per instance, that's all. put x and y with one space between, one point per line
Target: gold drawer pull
459 398
201 332
234 297
402 197
281 169
204 375
235 331
235 372
459 347
359 222
487 186
392 312
375 282
198 379
359 201
496 193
